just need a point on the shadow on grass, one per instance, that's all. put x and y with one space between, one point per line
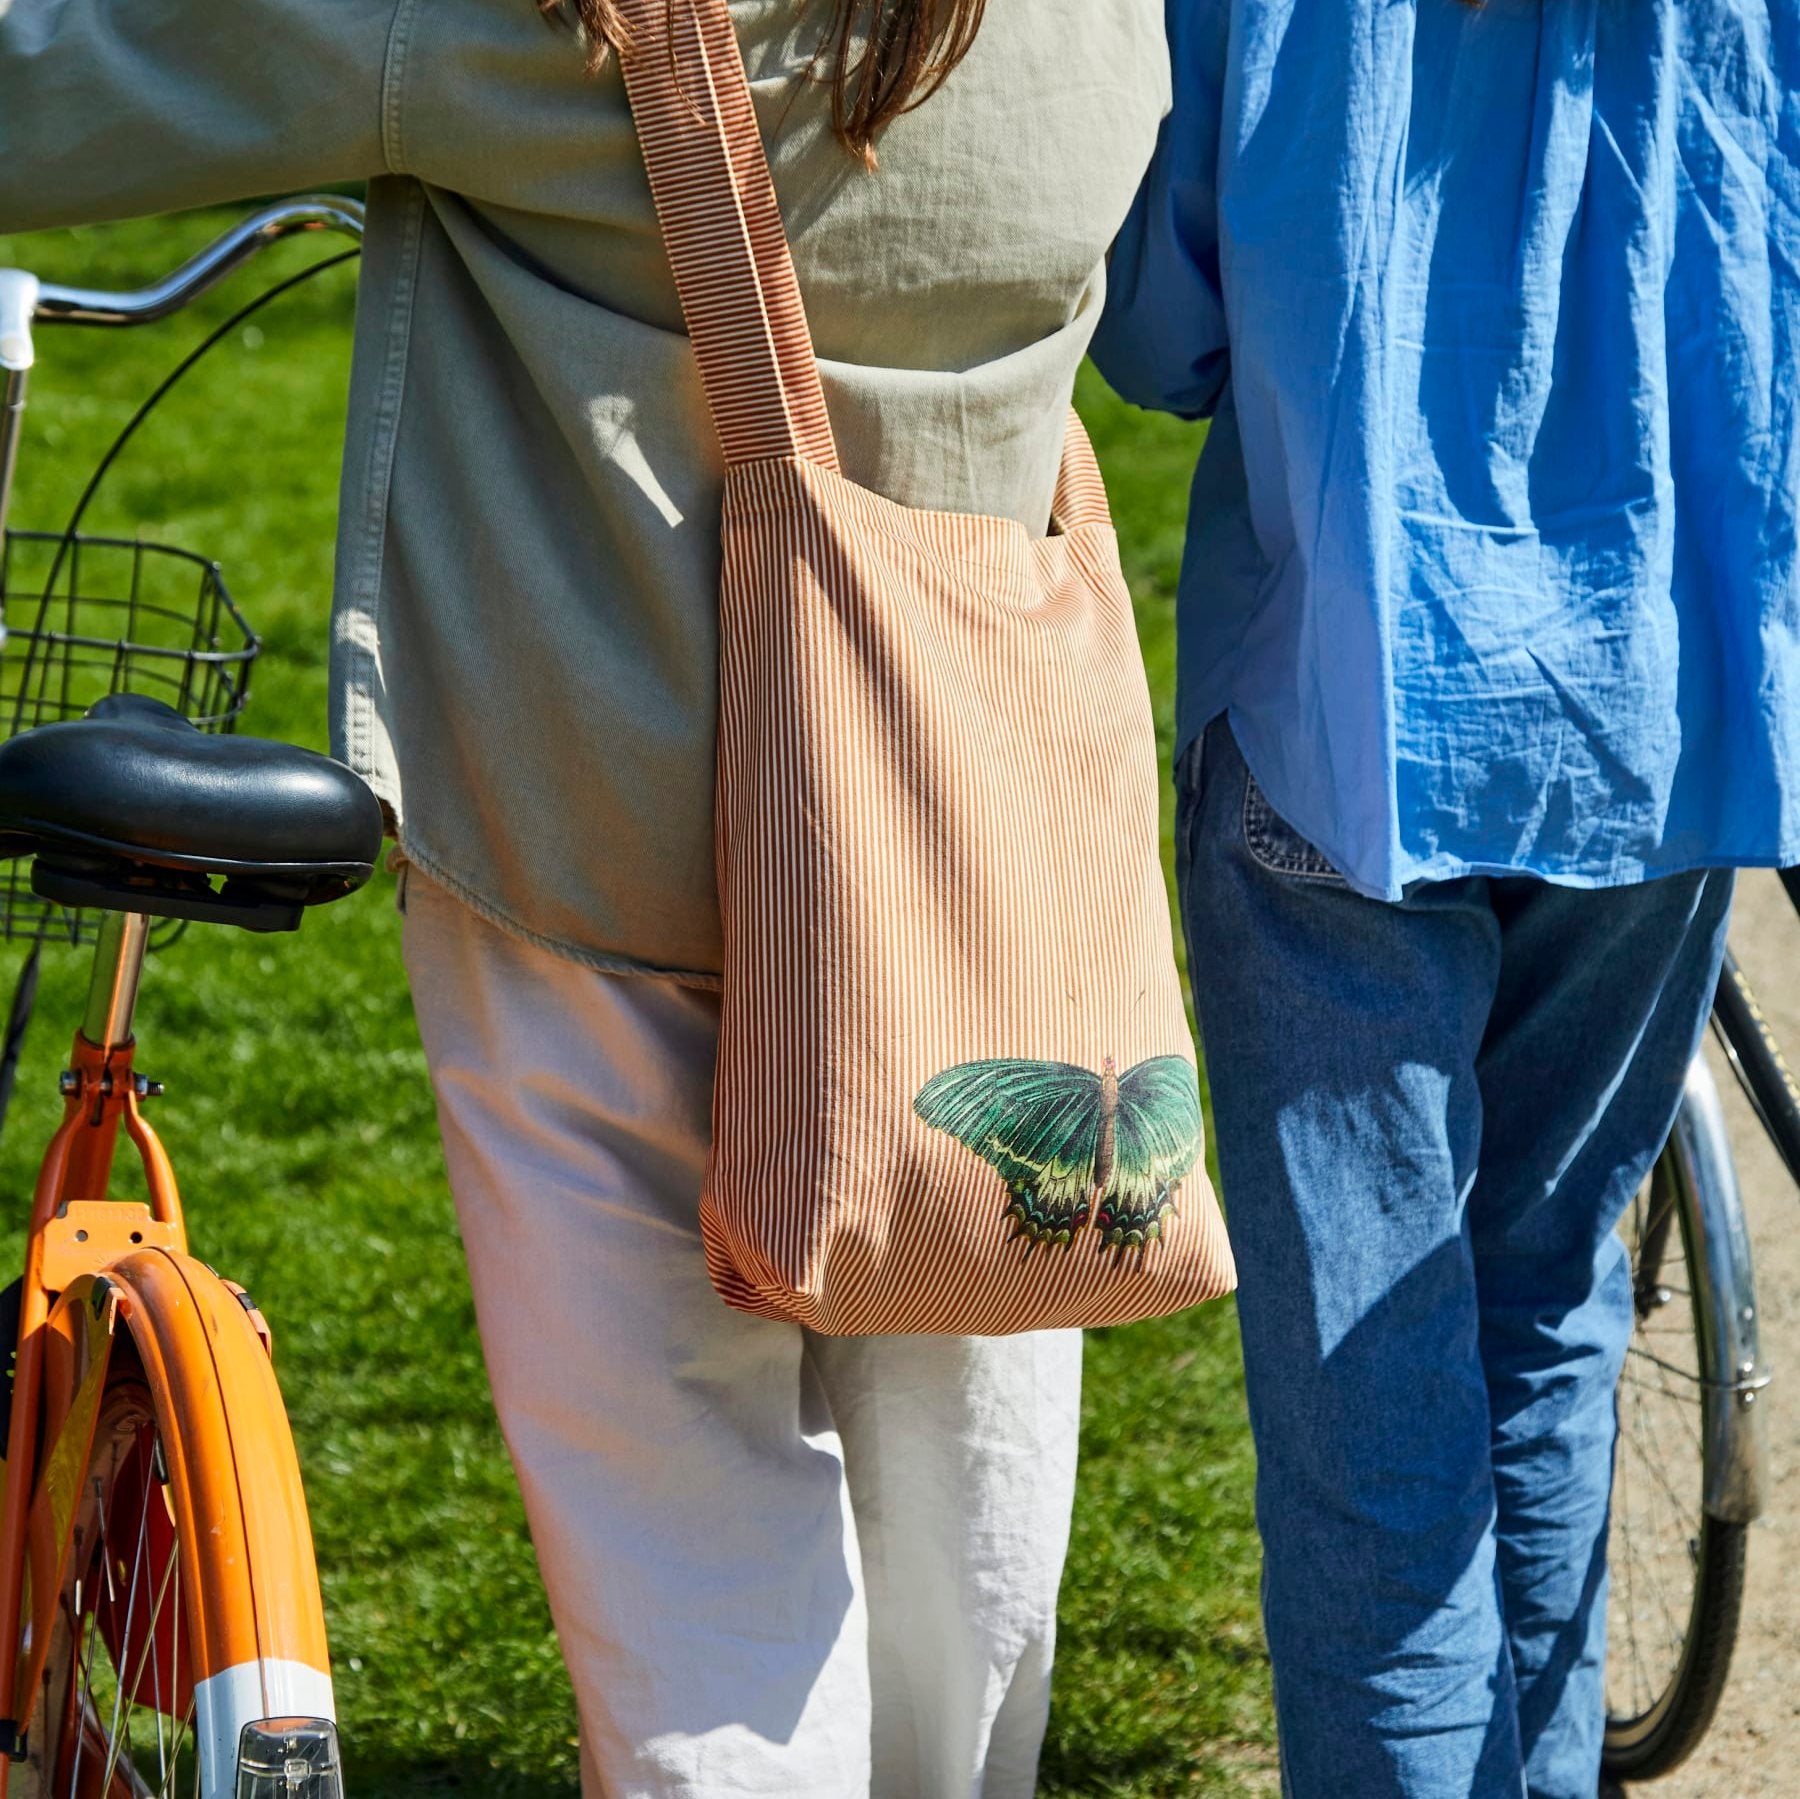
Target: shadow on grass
1101 1771
1096 1768
379 1776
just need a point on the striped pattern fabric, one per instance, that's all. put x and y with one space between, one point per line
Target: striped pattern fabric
726 243
937 813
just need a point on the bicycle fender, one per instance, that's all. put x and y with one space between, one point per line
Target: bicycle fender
257 1635
1726 1305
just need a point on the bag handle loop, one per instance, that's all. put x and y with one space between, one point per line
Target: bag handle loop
715 199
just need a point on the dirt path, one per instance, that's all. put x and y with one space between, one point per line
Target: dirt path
1754 1747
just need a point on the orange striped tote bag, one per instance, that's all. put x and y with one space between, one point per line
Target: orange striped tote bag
956 1089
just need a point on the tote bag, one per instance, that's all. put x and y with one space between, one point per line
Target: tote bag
956 1089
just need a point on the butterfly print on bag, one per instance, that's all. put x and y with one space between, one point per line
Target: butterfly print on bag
1068 1142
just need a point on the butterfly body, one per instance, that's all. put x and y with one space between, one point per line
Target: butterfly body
1069 1144
1107 1149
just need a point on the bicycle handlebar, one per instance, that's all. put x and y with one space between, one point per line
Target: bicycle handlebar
57 305
25 301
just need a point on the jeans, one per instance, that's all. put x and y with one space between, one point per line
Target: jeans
1429 1117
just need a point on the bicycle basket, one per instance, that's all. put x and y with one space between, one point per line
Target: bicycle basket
88 616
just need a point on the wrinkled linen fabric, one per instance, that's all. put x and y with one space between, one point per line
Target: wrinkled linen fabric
525 637
782 1566
1497 314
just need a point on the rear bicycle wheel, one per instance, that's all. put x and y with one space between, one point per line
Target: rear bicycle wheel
189 1607
1677 1569
118 1694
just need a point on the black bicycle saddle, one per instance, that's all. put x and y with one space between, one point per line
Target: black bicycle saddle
134 809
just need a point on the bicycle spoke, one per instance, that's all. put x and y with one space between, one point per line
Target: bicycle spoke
149 1650
1656 1519
116 1633
156 1706
179 1735
1656 1461
1688 1402
84 1646
1650 1567
117 1743
1667 1367
1633 1558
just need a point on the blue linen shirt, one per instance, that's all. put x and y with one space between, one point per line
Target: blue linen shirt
1496 312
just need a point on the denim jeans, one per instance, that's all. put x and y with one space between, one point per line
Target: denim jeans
1429 1117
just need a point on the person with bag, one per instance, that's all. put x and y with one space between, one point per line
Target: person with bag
1490 674
628 479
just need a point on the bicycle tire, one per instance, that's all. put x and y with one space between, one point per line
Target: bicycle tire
189 1603
1656 1738
1657 1744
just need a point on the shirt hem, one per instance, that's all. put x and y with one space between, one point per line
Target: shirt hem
601 961
1632 874
1415 873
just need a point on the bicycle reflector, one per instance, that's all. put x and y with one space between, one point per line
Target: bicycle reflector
289 1758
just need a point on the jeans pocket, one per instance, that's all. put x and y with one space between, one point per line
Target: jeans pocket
1274 844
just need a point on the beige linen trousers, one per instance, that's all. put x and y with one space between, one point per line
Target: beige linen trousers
780 1564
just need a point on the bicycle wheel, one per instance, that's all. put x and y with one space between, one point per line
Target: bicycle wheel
189 1606
1677 1570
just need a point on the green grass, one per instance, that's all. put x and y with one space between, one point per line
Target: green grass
301 1119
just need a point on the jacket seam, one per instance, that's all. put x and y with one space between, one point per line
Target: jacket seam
384 437
393 78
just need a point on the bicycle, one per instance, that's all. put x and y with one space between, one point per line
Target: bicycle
1688 1472
161 1627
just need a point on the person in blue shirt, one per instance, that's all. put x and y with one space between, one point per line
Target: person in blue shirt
1490 673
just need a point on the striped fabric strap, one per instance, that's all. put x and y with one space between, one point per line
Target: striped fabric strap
1080 490
722 226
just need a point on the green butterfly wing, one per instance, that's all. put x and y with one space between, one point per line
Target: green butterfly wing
1037 1124
1156 1141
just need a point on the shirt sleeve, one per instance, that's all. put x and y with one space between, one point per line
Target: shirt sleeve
116 108
1161 341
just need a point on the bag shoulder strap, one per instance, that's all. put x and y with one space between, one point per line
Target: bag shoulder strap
715 199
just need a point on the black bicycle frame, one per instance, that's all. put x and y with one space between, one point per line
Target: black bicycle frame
1755 1055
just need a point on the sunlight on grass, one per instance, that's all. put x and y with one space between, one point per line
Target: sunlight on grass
300 1117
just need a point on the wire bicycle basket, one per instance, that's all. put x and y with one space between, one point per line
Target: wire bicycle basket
87 616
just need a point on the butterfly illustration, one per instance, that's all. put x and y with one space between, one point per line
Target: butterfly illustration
1067 1141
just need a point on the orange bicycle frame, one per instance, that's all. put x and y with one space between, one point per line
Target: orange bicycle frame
76 1233
98 1269
74 1230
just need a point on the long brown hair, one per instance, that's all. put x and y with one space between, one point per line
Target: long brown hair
884 56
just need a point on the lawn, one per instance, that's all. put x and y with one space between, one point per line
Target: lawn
299 1114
